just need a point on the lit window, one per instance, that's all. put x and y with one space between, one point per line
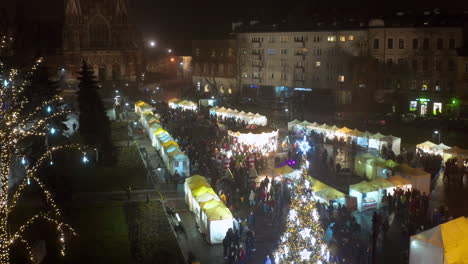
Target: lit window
413 106
350 37
244 52
437 86
245 75
331 38
284 51
425 86
437 108
342 38
317 64
341 78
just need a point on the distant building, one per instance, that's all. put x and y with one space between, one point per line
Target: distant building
461 99
409 62
214 67
99 32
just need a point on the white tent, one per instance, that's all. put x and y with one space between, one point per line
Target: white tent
444 244
375 141
292 125
420 179
392 141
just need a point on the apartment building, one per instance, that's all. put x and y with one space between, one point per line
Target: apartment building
275 64
215 67
410 62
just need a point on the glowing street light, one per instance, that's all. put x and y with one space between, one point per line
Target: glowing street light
169 50
152 43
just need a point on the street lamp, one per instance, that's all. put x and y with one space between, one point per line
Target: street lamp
152 43
169 50
436 132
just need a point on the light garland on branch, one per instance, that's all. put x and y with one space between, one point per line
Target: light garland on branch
15 127
303 240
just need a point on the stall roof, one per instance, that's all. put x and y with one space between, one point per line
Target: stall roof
201 190
363 187
211 204
344 130
284 170
381 183
206 197
169 143
455 238
197 184
377 136
397 180
390 164
457 151
330 194
218 213
160 131
195 178
294 122
318 185
356 133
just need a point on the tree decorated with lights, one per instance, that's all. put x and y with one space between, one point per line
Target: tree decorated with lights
303 241
17 127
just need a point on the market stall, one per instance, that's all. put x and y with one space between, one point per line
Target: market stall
249 117
425 147
360 164
363 139
254 139
399 182
384 187
460 154
331 196
367 195
420 179
375 141
141 106
292 126
444 244
212 216
391 142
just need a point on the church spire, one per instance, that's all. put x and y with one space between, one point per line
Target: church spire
121 8
73 7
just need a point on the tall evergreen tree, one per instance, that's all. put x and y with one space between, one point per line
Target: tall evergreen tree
94 126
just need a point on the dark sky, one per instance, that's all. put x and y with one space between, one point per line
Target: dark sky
177 22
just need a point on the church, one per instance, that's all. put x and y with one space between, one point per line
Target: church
68 32
99 32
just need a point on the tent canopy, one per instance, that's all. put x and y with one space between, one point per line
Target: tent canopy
457 151
399 181
377 136
211 204
455 238
202 190
390 164
218 213
284 170
330 194
206 197
318 185
363 187
344 130
195 178
426 144
381 183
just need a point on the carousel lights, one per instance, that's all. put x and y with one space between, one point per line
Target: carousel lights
304 146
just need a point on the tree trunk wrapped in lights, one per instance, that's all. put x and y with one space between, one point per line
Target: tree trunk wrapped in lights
17 126
303 240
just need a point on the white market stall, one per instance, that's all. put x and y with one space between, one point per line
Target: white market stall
292 126
444 244
367 195
249 117
393 143
420 179
141 106
213 217
399 182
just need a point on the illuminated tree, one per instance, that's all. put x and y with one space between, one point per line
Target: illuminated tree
302 242
17 126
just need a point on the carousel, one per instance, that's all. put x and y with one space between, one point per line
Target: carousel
254 139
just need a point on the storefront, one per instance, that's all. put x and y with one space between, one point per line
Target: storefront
427 106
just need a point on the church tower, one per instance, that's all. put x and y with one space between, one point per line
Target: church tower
100 33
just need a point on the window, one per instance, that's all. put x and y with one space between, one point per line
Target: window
256 39
415 44
350 37
466 67
414 65
451 43
398 84
412 84
413 106
284 39
426 43
340 78
284 76
451 65
197 52
272 75
425 65
284 51
271 39
440 43
271 51
299 38
401 61
437 86
331 38
256 75
99 34
401 44
437 108
230 52
389 63
450 86
244 52
343 38
425 85
438 65
376 43
284 63
242 40
245 75
390 43
317 64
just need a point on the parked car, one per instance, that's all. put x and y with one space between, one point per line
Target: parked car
408 118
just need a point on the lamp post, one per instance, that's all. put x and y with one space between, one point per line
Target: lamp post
437 132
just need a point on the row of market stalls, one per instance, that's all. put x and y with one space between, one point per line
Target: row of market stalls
364 139
446 152
444 244
372 168
249 118
174 158
211 214
184 104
